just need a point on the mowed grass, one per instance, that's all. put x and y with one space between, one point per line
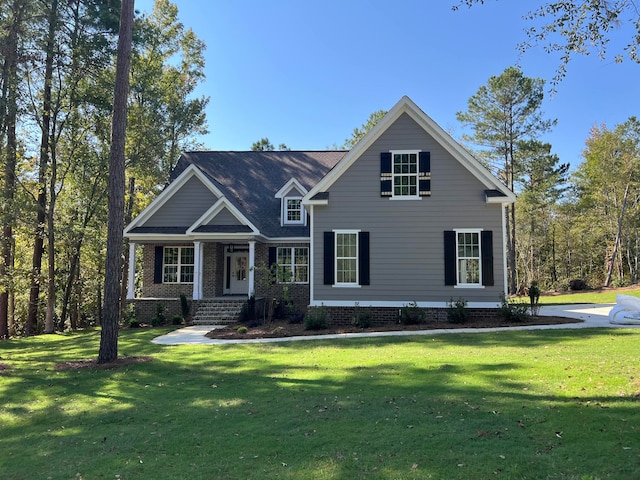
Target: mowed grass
591 296
559 404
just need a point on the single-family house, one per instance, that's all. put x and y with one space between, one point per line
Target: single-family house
407 216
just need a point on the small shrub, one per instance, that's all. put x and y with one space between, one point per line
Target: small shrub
361 317
278 331
534 298
317 318
457 311
412 314
159 317
176 319
248 312
296 318
185 308
513 312
133 323
242 329
577 284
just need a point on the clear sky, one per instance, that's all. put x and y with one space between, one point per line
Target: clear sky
306 73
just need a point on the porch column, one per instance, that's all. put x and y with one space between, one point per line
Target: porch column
197 270
252 264
131 289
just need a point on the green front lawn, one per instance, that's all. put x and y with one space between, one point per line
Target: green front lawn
559 404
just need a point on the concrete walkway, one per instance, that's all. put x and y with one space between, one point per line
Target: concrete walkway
591 315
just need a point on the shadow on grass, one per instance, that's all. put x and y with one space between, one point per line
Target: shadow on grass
326 409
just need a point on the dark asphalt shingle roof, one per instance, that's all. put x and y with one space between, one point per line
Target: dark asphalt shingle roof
251 179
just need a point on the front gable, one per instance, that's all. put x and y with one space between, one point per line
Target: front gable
222 219
411 124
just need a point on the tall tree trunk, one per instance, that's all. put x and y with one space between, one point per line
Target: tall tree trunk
8 211
108 351
616 243
38 245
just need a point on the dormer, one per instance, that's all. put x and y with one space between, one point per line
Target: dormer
292 212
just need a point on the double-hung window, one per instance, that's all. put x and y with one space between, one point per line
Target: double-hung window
468 257
405 174
293 264
346 258
178 265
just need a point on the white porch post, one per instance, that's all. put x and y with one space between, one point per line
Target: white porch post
131 290
252 264
197 270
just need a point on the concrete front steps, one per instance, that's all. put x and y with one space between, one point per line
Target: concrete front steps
218 311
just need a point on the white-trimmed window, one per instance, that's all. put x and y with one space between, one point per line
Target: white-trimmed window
178 265
294 211
468 261
346 257
293 264
404 171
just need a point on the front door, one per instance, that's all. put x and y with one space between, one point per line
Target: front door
237 273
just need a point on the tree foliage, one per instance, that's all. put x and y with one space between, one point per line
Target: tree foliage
505 114
359 133
57 73
580 27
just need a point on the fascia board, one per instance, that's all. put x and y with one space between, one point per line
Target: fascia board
287 187
215 209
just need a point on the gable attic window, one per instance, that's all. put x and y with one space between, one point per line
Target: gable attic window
294 211
405 174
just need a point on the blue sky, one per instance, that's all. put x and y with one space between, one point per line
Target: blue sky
306 73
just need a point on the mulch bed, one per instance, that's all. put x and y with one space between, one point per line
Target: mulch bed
280 328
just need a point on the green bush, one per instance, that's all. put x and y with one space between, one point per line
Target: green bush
248 311
133 323
457 311
156 321
361 317
412 314
242 329
176 319
185 307
317 318
513 312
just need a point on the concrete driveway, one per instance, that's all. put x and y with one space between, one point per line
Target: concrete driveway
591 315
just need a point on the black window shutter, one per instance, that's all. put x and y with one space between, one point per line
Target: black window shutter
486 242
273 255
157 265
424 174
385 174
363 258
329 256
449 257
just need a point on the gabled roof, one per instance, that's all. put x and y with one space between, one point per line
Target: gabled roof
406 105
250 180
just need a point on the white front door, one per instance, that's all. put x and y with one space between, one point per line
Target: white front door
237 272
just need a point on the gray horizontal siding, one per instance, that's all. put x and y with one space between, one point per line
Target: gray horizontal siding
225 217
406 244
184 207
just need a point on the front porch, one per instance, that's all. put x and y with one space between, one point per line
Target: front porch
214 276
197 270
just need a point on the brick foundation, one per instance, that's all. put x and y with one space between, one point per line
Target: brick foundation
390 315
